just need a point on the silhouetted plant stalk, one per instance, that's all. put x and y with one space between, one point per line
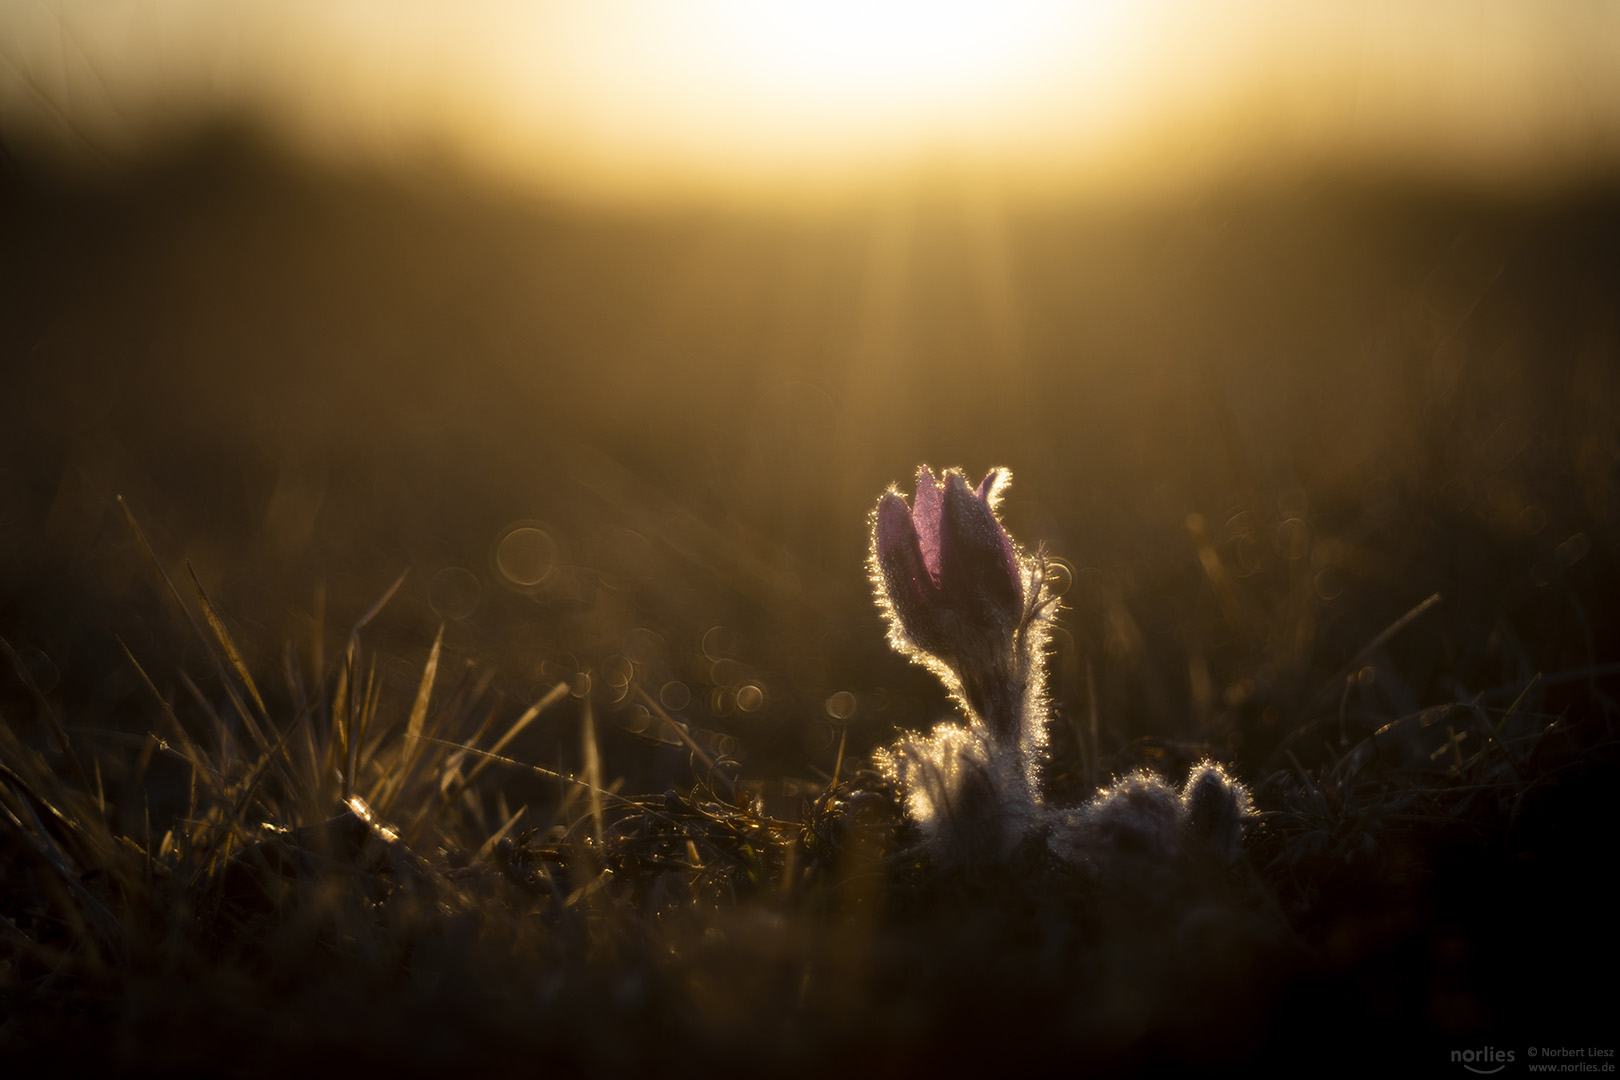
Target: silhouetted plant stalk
962 600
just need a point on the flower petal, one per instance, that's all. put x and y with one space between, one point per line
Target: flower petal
926 514
989 489
979 571
907 584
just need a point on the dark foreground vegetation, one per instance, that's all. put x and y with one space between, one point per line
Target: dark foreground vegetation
1332 468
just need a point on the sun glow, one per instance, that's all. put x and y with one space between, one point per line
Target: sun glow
886 54
780 99
806 95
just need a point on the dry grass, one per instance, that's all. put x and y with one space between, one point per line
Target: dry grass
345 877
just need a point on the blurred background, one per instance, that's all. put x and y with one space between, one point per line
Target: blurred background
609 323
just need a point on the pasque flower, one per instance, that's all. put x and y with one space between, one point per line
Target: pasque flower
1141 832
961 600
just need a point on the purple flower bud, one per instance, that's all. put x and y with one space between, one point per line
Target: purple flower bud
945 565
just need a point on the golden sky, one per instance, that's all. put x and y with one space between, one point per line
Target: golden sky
702 99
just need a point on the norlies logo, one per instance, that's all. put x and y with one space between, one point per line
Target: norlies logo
1485 1061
